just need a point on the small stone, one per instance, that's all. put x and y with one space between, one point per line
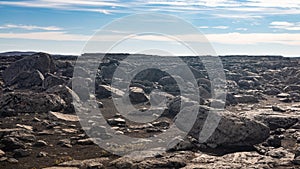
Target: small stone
65 143
296 160
69 130
297 153
3 159
87 141
2 153
94 165
41 143
21 153
61 168
277 153
25 127
35 119
283 95
12 160
275 141
119 133
42 154
65 117
278 109
116 122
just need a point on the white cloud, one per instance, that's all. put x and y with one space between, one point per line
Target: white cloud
56 36
220 8
77 5
292 39
286 26
203 27
31 27
241 29
213 27
220 27
274 3
238 16
255 38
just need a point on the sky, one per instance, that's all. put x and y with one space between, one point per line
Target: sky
233 27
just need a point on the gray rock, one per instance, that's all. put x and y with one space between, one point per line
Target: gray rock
87 163
12 160
21 153
296 160
88 141
137 95
146 159
275 121
27 80
275 141
204 93
2 153
11 143
116 122
41 143
67 94
236 160
65 143
53 80
105 91
167 80
28 102
246 99
245 84
272 91
151 75
291 88
177 104
42 154
39 61
232 130
64 117
278 109
283 95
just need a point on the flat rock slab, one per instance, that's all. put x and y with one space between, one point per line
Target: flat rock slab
95 162
65 117
238 160
61 168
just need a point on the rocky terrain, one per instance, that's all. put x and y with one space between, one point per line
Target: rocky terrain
259 126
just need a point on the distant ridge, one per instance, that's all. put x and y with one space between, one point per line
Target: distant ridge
26 53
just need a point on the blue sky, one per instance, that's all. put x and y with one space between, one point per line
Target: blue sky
254 27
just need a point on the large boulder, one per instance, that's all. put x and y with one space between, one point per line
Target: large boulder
39 61
151 75
67 94
231 131
53 80
27 80
105 91
28 102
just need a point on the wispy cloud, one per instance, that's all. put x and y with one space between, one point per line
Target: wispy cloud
31 27
286 26
76 5
220 27
241 29
219 8
255 38
213 27
50 36
225 38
